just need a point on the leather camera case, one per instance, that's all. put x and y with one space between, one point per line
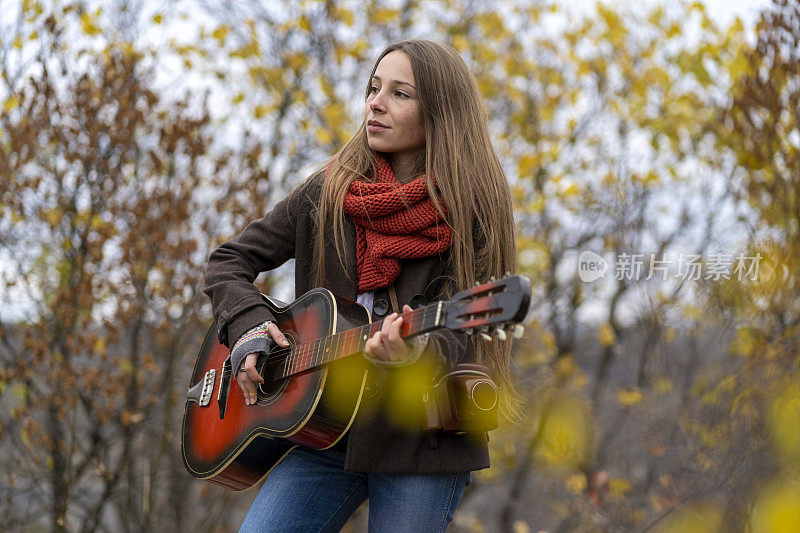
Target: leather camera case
462 400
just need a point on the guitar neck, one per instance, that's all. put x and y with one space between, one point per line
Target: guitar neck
324 350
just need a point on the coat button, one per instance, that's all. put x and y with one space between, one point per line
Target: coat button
418 301
380 307
371 389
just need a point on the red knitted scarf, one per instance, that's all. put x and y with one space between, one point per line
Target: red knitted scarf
393 222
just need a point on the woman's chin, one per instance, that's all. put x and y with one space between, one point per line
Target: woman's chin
379 146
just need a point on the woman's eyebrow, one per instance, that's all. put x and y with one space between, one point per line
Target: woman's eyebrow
397 82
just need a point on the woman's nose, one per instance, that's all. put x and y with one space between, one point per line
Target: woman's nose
377 102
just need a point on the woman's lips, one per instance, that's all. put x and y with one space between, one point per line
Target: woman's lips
373 128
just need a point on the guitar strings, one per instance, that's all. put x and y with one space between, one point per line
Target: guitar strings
279 353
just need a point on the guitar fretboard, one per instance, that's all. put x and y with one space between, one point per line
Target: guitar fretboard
324 350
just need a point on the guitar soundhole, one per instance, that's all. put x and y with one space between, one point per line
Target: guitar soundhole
267 366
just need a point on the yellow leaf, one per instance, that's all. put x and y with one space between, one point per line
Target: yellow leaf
745 342
662 385
566 366
332 113
527 164
537 205
460 43
572 189
360 47
698 6
220 33
492 24
784 421
580 381
696 518
238 98
53 216
576 483
656 15
629 397
296 61
19 390
567 435
606 335
88 25
385 15
17 42
619 486
304 23
125 365
10 103
777 507
520 526
403 383
158 18
324 136
673 30
100 346
251 49
486 54
261 111
346 16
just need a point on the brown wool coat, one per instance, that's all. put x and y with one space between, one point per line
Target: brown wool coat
374 443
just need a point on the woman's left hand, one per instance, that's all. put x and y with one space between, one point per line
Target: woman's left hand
387 344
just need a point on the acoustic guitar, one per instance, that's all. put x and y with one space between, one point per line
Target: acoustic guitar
303 400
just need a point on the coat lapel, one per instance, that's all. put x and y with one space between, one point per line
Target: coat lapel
342 280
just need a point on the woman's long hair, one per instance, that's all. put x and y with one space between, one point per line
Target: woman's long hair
459 153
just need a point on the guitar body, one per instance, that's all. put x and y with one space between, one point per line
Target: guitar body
314 408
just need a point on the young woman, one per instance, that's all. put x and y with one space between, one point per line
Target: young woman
416 201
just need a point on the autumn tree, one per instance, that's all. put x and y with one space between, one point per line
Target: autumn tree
111 199
760 128
604 124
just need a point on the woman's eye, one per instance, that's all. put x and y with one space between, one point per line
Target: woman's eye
373 89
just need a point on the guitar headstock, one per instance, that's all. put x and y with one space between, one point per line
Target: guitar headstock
491 307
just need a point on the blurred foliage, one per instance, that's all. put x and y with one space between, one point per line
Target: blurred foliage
654 402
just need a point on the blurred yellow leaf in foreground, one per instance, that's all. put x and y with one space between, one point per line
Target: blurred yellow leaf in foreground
777 507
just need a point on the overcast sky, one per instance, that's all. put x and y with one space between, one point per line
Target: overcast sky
722 11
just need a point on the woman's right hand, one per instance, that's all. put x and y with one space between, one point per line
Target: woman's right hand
248 376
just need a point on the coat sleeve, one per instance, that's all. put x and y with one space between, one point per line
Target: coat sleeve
451 348
265 244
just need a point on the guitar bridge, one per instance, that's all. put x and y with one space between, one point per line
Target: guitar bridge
201 391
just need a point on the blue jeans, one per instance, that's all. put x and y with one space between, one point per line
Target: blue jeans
310 491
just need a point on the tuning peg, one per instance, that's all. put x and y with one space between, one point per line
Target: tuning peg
485 333
492 279
517 331
469 331
501 334
477 283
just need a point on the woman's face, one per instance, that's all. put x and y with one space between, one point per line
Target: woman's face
393 114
